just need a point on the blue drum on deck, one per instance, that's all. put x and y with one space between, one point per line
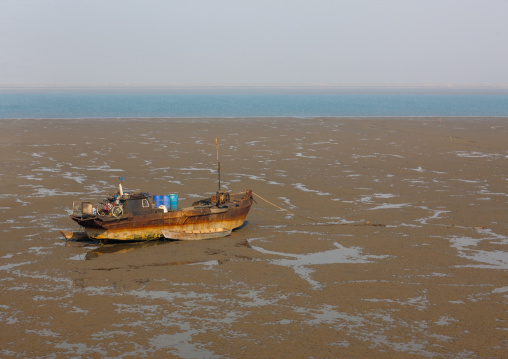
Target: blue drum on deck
166 201
173 201
157 200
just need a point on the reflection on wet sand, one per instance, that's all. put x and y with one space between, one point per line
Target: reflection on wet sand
123 248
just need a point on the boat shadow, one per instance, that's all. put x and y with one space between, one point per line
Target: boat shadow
122 247
242 226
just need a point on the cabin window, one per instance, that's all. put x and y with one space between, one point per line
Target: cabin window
145 203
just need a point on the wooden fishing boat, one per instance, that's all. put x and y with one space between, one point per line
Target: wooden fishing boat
135 217
139 217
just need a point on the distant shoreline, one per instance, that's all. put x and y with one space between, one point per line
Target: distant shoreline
261 118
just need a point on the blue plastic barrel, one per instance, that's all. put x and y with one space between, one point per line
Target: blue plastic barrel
166 201
173 201
157 200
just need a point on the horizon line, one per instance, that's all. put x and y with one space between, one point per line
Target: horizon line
251 85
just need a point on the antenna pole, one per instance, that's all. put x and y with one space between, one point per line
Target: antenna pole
218 163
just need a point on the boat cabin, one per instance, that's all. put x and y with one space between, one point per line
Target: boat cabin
136 204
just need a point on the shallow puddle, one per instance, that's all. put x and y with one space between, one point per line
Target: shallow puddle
300 262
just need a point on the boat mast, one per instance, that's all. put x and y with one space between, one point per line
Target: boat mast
218 163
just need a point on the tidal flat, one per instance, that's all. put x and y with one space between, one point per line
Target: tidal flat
389 239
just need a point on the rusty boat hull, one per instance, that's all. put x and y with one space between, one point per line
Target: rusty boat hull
139 220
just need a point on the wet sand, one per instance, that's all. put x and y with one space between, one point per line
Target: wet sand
408 259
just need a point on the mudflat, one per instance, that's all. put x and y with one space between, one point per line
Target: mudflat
377 237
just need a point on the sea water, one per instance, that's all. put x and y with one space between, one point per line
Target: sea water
140 103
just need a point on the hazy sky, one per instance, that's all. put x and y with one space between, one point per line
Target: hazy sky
254 42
